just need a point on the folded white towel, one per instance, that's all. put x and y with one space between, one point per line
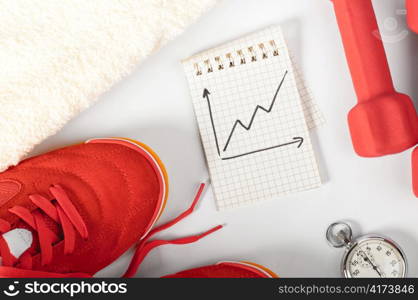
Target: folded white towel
57 57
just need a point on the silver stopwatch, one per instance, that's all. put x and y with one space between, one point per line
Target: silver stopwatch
370 256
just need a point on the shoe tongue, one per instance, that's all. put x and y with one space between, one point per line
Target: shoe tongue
18 240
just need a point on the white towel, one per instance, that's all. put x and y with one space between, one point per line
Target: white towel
57 57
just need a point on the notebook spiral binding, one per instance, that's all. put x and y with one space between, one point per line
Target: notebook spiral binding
239 57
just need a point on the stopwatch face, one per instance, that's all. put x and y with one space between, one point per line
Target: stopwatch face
374 257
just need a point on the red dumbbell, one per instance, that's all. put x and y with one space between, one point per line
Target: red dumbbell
415 171
412 10
384 121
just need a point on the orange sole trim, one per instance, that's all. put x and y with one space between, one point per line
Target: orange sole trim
256 268
270 272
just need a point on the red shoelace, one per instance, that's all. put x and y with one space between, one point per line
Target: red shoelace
63 212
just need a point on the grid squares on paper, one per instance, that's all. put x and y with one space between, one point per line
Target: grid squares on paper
313 115
234 92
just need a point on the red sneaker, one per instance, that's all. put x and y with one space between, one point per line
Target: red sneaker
73 211
227 269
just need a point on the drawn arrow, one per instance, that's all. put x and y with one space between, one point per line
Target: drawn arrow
206 94
300 139
296 140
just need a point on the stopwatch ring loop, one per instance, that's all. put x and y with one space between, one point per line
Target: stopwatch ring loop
339 234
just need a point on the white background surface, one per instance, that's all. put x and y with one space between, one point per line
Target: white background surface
153 105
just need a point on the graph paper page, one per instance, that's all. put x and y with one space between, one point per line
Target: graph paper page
254 120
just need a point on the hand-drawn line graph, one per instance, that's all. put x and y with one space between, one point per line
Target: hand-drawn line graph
250 124
296 140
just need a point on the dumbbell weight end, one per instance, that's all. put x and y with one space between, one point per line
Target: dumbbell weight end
412 14
383 125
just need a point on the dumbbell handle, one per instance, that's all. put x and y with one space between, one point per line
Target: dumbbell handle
412 10
364 48
384 121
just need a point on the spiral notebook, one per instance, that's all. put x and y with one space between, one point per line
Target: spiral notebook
254 113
